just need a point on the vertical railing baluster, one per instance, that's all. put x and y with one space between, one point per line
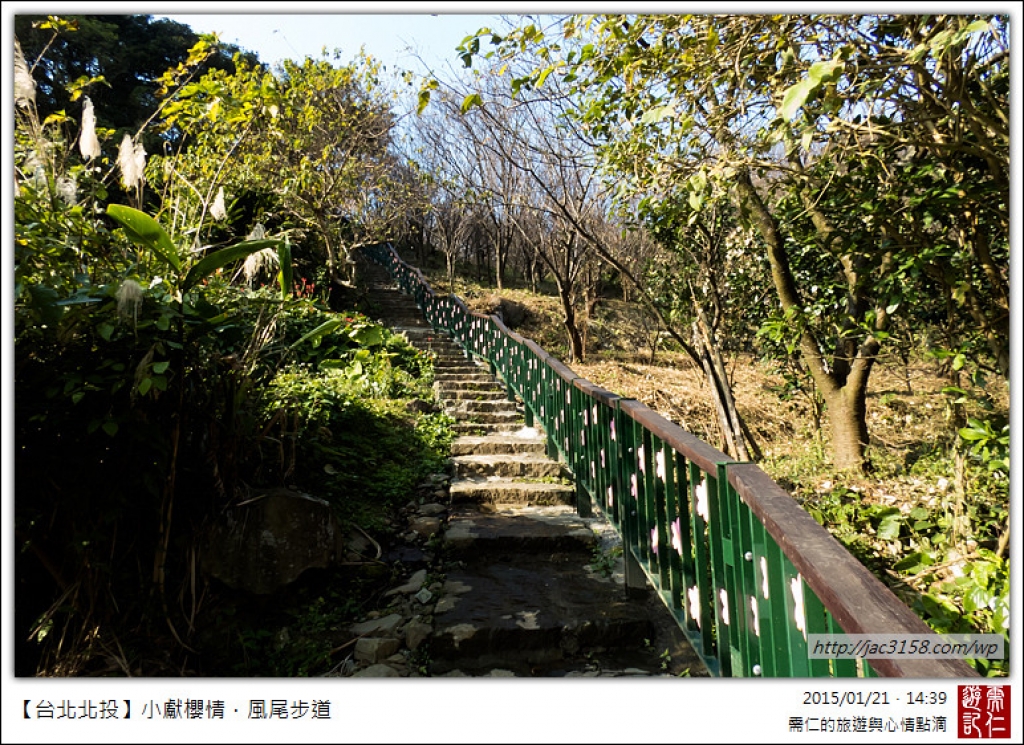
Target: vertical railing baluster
703 605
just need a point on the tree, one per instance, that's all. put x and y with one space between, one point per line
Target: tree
118 60
801 121
317 138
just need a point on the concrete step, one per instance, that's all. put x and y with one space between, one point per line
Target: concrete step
484 429
510 491
480 394
516 531
507 466
473 406
489 417
530 618
459 365
473 373
454 386
515 442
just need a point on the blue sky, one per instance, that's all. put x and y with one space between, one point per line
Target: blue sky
390 36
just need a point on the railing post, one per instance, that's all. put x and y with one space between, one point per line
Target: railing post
635 579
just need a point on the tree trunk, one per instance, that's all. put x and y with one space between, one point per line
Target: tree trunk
847 419
576 349
844 383
499 267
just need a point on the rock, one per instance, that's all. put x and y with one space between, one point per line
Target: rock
375 649
513 314
266 543
424 596
433 509
425 527
440 493
380 626
416 632
358 546
414 584
378 671
419 406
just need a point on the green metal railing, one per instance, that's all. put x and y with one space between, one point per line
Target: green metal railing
745 571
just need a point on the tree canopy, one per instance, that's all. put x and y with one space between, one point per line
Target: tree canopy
867 154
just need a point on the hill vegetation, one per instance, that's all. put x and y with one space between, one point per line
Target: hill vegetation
790 234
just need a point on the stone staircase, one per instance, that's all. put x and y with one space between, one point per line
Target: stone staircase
520 596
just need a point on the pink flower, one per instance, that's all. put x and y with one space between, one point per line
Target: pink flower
677 536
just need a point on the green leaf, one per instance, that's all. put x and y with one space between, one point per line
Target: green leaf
284 260
889 528
44 300
110 428
544 75
825 72
976 599
914 563
795 97
161 367
423 101
209 264
473 99
144 230
144 385
368 336
324 328
919 513
652 116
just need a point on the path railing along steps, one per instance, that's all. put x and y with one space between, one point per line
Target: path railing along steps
520 597
745 574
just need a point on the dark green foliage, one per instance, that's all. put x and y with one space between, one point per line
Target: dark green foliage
130 52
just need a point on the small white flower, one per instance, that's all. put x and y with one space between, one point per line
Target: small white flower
257 262
218 211
24 85
131 159
68 190
88 144
129 301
